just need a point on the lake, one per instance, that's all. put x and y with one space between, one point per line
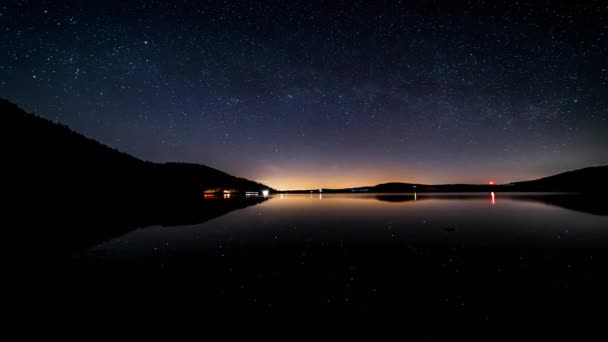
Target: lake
476 256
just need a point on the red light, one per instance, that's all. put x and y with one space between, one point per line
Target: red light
491 182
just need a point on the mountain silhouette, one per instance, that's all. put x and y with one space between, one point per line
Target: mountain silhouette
52 153
65 188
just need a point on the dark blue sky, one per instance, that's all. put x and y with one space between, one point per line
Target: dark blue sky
322 94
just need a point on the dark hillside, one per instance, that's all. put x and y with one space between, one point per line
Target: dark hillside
55 176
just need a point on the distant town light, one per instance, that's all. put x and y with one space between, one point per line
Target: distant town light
265 193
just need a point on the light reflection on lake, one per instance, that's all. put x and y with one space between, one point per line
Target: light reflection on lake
481 254
481 217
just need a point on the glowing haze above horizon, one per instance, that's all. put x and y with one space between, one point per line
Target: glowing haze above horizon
310 94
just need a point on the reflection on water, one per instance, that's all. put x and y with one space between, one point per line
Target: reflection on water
527 218
434 254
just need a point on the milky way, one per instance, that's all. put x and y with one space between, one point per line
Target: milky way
322 94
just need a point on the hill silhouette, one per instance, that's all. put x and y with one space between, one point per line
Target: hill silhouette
56 176
590 179
586 180
52 154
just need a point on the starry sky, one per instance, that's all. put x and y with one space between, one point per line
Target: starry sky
322 94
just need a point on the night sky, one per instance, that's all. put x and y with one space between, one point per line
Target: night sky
322 94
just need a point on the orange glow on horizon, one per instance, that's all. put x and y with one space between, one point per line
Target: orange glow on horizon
332 182
288 184
308 177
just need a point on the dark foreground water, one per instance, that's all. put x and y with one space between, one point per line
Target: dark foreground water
482 259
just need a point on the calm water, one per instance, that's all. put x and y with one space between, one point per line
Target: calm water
481 257
307 224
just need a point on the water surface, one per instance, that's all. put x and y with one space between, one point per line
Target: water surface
375 219
432 256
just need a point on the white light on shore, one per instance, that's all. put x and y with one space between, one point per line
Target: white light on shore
265 193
